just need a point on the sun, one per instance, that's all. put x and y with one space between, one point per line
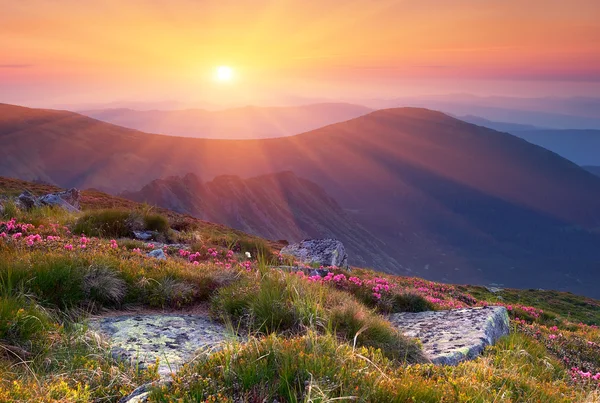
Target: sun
224 73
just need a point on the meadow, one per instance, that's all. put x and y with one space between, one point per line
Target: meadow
310 339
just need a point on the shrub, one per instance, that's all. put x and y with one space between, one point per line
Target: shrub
106 223
156 222
170 292
102 284
116 223
406 302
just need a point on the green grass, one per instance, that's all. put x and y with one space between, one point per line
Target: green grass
319 368
573 307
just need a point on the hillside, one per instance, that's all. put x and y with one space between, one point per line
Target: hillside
275 206
579 146
452 201
239 123
506 127
327 338
593 169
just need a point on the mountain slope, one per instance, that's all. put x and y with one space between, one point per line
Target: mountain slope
593 169
506 127
275 206
239 123
579 146
452 201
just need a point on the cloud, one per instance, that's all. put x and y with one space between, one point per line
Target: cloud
15 66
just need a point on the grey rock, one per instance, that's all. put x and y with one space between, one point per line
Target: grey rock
141 393
145 235
324 252
158 254
27 200
1 208
173 339
452 336
318 272
69 199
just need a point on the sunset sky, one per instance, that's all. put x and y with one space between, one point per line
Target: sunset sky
65 52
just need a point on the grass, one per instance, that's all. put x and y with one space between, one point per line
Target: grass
309 339
317 367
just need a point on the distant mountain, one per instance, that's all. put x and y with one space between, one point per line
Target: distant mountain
274 206
593 169
451 201
239 123
553 113
579 146
499 126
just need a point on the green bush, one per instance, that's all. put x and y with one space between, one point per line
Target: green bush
408 302
106 223
116 223
156 222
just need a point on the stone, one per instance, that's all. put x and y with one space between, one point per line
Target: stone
173 339
145 235
158 254
27 200
455 335
69 199
141 393
324 252
1 208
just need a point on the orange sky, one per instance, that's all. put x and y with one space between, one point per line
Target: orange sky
69 51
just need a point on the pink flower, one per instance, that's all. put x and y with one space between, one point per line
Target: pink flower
17 235
69 246
113 244
136 250
552 336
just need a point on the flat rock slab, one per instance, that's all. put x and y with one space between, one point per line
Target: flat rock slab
173 339
455 335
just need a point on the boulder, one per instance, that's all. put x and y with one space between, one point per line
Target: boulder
27 200
455 335
69 199
145 235
324 252
158 254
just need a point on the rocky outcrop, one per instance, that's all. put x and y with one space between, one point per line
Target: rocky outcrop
145 235
173 339
27 201
323 252
455 335
69 199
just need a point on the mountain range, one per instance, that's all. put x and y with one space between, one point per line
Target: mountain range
237 123
549 112
278 206
445 199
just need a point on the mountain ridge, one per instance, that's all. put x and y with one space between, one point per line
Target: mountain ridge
451 200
